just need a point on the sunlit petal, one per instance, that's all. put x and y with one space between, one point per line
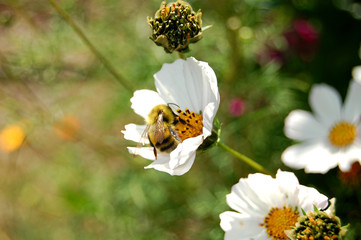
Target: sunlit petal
326 104
144 100
209 113
239 226
353 154
145 152
313 156
288 183
352 105
356 74
307 203
170 83
301 125
134 133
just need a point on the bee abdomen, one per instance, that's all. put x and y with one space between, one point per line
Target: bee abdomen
168 144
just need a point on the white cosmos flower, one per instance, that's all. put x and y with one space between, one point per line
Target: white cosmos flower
356 73
330 136
188 84
267 206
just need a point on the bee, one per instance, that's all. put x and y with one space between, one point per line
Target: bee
160 130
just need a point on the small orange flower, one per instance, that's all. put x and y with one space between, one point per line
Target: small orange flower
67 128
11 138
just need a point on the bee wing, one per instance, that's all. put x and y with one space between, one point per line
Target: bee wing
174 134
159 129
142 140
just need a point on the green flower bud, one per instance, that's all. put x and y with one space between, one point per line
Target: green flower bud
317 225
175 26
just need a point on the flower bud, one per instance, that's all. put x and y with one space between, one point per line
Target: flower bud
175 26
317 225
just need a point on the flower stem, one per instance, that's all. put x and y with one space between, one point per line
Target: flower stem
244 158
181 55
92 48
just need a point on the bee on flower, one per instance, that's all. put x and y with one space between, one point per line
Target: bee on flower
179 115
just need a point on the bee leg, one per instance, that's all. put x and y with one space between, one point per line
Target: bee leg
154 149
155 152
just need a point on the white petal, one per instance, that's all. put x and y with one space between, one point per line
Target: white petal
322 165
288 183
189 84
267 190
254 195
163 165
313 156
180 160
331 207
201 82
351 155
145 100
134 132
170 84
326 104
209 113
239 226
309 197
352 106
145 152
356 74
301 125
185 151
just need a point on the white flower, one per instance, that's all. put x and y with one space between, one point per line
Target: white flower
356 74
188 84
330 136
267 206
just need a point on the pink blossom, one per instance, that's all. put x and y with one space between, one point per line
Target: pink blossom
236 107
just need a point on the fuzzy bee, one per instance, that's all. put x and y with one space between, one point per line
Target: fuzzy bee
160 130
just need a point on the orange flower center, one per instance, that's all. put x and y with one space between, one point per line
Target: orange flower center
342 134
188 124
278 220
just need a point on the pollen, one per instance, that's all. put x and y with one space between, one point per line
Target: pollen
278 220
342 134
188 124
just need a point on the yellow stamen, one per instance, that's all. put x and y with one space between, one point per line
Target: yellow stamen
278 220
342 134
188 124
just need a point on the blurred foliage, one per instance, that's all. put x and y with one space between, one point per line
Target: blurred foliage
72 178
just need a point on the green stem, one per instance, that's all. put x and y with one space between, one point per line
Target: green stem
92 48
244 158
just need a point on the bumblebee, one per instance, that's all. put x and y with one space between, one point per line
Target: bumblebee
160 130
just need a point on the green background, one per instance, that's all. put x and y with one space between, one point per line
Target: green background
91 188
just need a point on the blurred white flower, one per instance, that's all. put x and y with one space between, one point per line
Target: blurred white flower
267 206
188 84
330 136
356 74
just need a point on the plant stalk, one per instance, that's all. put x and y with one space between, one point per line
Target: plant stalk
244 158
92 48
